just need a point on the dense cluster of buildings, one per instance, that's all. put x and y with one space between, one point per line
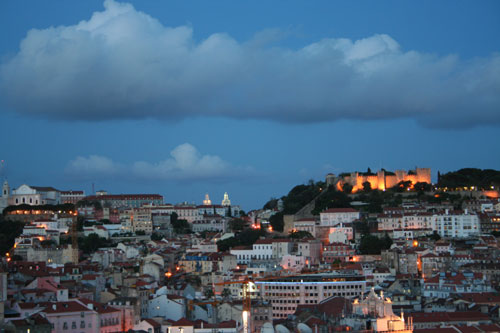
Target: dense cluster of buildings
441 273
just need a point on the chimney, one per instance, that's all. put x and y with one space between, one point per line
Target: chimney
447 211
54 306
466 211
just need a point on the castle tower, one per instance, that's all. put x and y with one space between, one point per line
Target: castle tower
207 201
226 201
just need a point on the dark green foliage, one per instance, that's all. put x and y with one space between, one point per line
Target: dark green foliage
271 204
209 293
156 236
300 235
181 226
79 223
367 186
48 243
86 203
376 199
422 187
496 233
91 243
300 196
9 230
483 179
347 188
373 245
246 237
237 224
434 236
277 221
140 232
225 244
402 186
331 199
226 293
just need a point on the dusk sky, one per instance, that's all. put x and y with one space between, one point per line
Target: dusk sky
184 98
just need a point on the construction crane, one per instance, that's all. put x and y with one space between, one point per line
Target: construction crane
248 284
247 300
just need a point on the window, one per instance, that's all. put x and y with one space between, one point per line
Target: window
82 324
65 326
73 325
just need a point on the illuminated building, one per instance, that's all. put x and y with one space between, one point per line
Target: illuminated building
381 180
286 293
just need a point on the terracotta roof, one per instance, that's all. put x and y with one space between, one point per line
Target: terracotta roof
182 322
424 317
99 307
152 322
60 307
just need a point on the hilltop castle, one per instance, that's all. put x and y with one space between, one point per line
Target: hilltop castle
381 180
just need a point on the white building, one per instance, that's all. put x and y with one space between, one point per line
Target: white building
288 292
455 224
334 216
172 308
34 195
261 250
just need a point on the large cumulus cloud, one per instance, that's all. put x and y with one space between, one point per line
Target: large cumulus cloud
185 164
123 63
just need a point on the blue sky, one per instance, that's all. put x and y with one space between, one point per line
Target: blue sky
183 98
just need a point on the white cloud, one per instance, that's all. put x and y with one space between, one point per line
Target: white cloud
123 63
94 164
185 164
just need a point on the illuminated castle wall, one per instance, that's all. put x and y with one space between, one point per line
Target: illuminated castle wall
381 180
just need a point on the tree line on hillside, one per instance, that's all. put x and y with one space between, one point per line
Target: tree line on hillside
483 179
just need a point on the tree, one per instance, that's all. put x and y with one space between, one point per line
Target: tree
237 224
48 243
367 186
140 232
373 245
91 243
226 293
422 187
209 293
9 230
156 236
434 236
300 234
277 221
225 244
181 226
347 188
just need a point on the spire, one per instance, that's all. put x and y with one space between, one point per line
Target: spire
226 201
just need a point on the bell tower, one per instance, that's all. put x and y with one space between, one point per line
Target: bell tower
5 189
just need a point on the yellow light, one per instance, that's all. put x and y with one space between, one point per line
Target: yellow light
168 274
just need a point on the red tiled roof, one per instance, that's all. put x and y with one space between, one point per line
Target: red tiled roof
60 307
152 322
424 317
